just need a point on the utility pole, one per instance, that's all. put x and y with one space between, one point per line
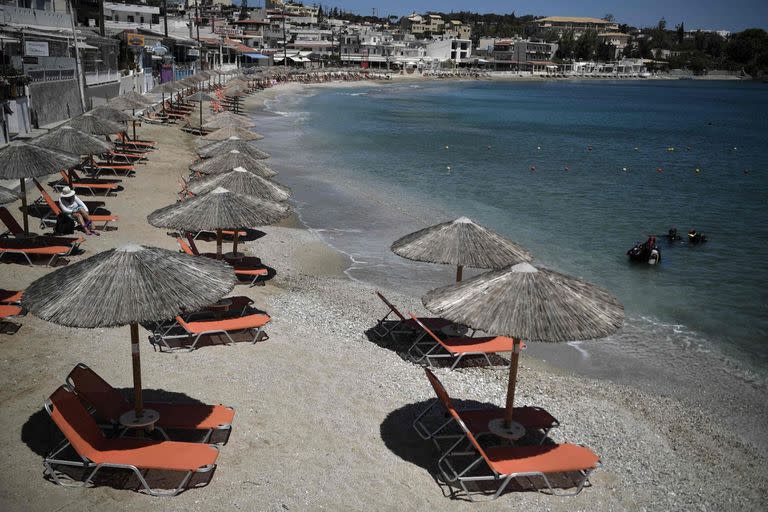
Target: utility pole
197 28
165 16
78 67
285 44
102 28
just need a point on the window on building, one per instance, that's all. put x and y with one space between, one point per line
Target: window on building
130 19
141 19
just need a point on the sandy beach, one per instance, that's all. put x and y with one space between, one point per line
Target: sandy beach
324 410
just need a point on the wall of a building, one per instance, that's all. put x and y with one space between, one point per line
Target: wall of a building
34 17
54 101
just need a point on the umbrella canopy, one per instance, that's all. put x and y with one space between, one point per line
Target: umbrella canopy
228 119
232 131
462 243
219 209
201 96
111 114
21 160
7 195
92 124
241 181
134 96
129 285
71 140
225 162
530 303
224 146
165 88
123 103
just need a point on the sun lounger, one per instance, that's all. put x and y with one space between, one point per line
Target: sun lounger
477 420
507 463
14 229
90 185
126 140
242 271
455 347
95 169
55 210
402 325
29 248
10 296
95 451
108 404
195 330
10 310
124 157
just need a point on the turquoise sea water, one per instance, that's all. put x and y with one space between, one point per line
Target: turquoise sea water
574 171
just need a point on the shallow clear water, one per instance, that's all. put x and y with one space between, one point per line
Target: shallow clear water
567 169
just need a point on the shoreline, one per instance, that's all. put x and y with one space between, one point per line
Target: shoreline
323 411
593 360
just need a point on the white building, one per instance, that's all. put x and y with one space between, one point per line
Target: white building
131 13
453 50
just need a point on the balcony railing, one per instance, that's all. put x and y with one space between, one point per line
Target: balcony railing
50 75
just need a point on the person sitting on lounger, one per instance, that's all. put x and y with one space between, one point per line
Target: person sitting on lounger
74 207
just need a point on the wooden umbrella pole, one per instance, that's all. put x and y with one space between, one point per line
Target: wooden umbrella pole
138 403
219 237
134 128
163 101
459 272
513 362
234 243
23 187
201 117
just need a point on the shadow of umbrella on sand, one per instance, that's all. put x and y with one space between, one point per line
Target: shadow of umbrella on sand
217 210
201 97
128 286
463 243
531 304
22 160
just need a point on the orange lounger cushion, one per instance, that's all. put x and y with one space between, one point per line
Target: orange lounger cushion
251 271
10 296
560 458
169 455
7 310
487 344
192 416
531 417
43 251
229 324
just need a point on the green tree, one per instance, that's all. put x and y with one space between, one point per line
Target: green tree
243 10
609 18
680 33
586 45
567 46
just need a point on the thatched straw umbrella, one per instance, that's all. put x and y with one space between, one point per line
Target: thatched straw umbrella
228 119
22 160
201 97
225 162
111 114
7 195
166 87
92 124
129 285
463 243
130 101
528 303
241 181
217 210
225 146
70 140
232 131
132 97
